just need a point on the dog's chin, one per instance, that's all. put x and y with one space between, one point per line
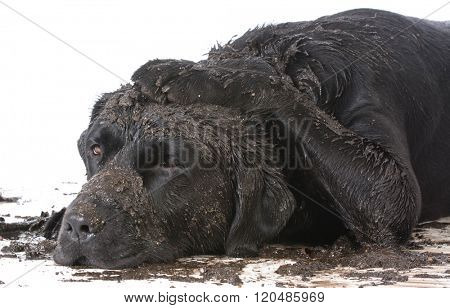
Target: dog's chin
63 258
126 262
76 258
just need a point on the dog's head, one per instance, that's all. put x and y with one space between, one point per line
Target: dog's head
170 180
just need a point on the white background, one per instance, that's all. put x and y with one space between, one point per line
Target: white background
47 89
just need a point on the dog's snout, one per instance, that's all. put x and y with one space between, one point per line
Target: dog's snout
78 228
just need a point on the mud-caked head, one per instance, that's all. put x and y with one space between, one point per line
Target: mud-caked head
169 181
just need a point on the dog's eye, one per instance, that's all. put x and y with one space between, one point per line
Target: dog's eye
96 150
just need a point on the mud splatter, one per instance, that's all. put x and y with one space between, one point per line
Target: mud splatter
31 224
368 265
8 199
33 250
182 271
387 277
431 276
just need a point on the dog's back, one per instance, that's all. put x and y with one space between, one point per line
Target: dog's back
375 60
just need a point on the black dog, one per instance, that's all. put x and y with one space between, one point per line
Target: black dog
301 131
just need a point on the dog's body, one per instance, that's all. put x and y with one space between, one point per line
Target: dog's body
374 89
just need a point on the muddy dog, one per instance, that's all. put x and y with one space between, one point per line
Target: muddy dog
299 131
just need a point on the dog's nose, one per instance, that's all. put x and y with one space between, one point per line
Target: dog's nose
78 228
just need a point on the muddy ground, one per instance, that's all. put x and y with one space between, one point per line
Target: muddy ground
424 260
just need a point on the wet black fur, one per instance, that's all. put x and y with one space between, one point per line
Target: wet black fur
376 88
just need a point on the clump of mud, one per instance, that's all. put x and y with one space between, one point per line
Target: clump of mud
25 238
371 257
387 260
386 276
10 199
30 224
431 276
33 250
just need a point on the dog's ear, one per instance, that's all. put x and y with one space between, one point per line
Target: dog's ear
264 204
81 144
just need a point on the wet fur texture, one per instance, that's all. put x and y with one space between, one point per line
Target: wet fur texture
371 159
